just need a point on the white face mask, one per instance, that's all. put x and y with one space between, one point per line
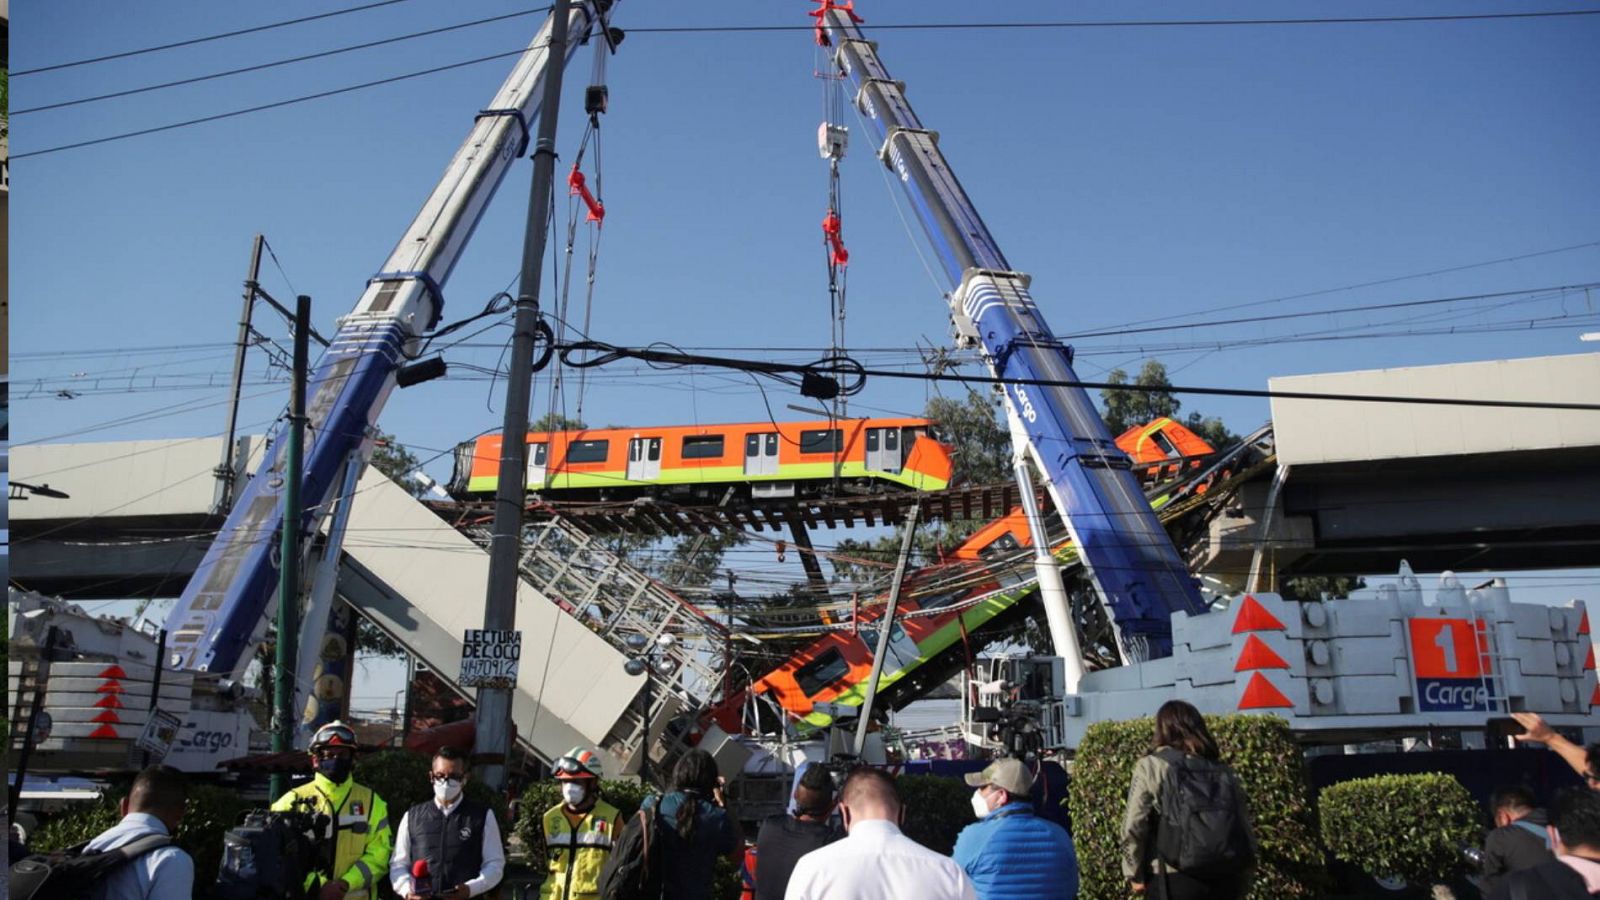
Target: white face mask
980 806
573 793
447 791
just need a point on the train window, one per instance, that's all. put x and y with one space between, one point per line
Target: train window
821 441
654 453
1005 543
1165 443
703 447
821 672
872 440
944 599
541 452
588 451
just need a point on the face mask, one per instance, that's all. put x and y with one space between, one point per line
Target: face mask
573 793
980 806
447 791
335 768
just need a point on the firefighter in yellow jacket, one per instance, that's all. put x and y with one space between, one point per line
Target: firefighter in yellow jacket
579 830
358 840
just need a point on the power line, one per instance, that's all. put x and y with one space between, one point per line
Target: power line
771 28
276 63
1123 23
200 40
266 106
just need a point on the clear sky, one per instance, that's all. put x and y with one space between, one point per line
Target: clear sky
1135 172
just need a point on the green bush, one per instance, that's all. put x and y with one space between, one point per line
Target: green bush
1270 767
937 808
210 813
1410 826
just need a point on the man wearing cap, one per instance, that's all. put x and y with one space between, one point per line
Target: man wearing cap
355 847
579 830
1010 852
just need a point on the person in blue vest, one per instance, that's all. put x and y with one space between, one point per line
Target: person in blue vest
1010 852
458 839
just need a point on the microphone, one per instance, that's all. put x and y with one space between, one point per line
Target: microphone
421 881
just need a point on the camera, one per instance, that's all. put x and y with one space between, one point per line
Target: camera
270 854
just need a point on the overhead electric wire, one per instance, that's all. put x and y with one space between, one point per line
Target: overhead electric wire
762 28
201 40
1121 23
276 63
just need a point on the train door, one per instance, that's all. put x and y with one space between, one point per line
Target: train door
761 453
884 450
538 454
644 459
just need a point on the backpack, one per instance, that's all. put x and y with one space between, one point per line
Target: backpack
633 870
74 871
1202 829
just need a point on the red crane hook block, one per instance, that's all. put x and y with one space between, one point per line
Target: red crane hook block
832 229
597 210
821 15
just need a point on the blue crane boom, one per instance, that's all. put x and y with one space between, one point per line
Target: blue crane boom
1131 561
221 616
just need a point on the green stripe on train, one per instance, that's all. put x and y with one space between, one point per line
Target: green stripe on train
722 475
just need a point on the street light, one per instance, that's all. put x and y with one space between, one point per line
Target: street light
645 661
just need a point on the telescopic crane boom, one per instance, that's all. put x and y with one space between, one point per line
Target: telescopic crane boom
221 616
1131 561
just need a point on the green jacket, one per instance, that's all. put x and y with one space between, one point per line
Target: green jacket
359 830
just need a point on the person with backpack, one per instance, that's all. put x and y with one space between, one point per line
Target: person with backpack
1011 853
1574 874
578 831
695 828
786 837
157 870
1520 839
1186 833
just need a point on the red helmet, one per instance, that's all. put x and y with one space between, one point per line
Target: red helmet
579 762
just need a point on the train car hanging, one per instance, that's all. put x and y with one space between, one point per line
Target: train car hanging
761 460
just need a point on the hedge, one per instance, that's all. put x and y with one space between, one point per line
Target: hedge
1410 826
211 812
1270 768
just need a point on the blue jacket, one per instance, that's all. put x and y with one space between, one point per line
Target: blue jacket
1012 854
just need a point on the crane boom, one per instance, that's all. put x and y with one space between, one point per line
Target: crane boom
221 615
1131 561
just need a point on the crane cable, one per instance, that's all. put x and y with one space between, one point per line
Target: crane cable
595 100
832 141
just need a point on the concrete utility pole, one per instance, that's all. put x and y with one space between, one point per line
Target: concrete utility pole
226 476
493 737
289 569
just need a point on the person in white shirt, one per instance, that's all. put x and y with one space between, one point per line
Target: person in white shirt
153 807
457 839
875 861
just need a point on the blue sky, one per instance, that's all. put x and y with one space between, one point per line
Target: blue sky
1135 173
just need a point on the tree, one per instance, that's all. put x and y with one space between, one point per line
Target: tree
391 457
1126 408
1312 587
980 453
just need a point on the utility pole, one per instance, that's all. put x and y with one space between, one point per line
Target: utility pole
223 499
289 569
885 626
492 745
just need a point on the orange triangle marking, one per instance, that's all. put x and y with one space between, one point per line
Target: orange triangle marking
1583 623
1257 655
109 701
104 731
1588 662
1594 699
1261 694
1253 616
109 715
113 671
